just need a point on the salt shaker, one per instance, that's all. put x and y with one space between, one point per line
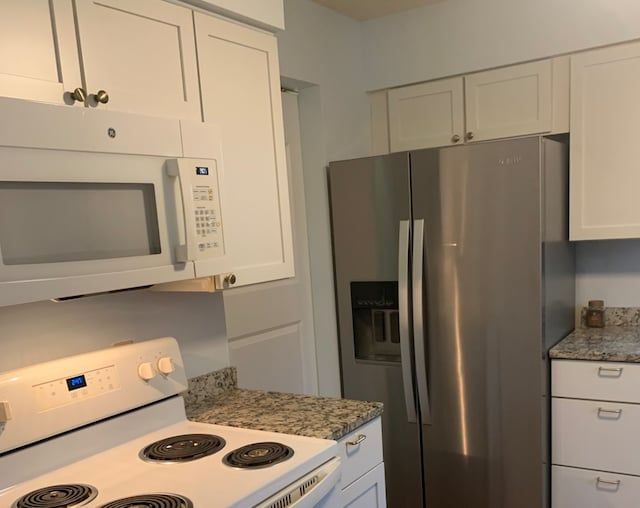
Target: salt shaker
595 314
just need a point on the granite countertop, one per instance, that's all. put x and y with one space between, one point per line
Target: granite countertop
618 341
215 398
611 344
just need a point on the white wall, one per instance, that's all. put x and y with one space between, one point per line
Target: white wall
321 54
610 271
458 36
37 332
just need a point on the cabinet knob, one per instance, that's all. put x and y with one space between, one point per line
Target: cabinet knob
469 135
455 138
230 279
101 96
78 95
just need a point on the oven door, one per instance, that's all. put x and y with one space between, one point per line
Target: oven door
316 489
74 223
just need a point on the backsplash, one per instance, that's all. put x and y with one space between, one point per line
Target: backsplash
211 385
616 316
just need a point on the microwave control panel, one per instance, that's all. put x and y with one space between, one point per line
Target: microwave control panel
199 183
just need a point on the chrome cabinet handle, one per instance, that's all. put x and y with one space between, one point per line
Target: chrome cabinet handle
406 352
101 96
230 279
470 135
357 440
455 138
78 95
609 371
607 483
611 414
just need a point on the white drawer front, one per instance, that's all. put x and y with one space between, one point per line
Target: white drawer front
596 435
360 451
596 380
579 488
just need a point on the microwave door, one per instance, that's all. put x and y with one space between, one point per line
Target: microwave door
75 223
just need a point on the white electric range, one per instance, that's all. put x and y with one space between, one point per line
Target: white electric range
108 429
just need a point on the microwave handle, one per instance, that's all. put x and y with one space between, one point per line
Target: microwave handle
174 169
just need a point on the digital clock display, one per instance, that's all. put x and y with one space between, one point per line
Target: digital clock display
73 383
202 170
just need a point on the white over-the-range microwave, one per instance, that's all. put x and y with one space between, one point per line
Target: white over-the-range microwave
94 201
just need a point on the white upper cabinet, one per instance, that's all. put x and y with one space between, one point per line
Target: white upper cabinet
604 150
38 54
426 115
240 83
140 54
512 101
518 100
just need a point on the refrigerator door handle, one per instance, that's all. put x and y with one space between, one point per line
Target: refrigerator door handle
418 322
406 358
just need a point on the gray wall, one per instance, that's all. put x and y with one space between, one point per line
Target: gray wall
37 332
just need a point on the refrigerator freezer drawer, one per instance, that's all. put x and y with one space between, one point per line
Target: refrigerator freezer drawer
596 380
573 487
596 435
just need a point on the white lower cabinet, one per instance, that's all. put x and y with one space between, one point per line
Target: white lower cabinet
366 492
362 484
581 488
593 434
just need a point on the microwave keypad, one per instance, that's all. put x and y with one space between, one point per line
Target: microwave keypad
207 222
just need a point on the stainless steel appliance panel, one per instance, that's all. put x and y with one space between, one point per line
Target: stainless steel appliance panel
481 207
369 198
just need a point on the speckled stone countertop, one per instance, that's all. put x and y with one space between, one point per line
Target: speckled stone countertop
214 398
618 341
611 344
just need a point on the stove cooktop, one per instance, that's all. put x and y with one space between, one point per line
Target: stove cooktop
209 480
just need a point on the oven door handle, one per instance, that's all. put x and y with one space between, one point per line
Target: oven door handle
330 473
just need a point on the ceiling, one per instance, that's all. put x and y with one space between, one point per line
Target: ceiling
368 9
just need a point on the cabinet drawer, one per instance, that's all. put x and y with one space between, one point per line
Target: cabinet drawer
360 451
573 488
596 380
596 435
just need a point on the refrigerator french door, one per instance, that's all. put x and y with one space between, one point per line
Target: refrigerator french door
453 278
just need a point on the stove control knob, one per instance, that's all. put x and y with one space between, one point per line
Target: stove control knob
146 371
165 365
5 411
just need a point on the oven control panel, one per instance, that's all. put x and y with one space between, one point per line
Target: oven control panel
47 399
67 390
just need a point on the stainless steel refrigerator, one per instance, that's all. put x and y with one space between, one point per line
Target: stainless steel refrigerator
454 276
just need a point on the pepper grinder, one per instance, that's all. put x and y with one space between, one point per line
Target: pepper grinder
595 314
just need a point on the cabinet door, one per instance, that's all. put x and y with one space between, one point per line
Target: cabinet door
572 488
366 492
604 148
513 101
240 83
142 54
38 56
426 115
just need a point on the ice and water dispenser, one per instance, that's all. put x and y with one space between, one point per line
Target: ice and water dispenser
376 325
